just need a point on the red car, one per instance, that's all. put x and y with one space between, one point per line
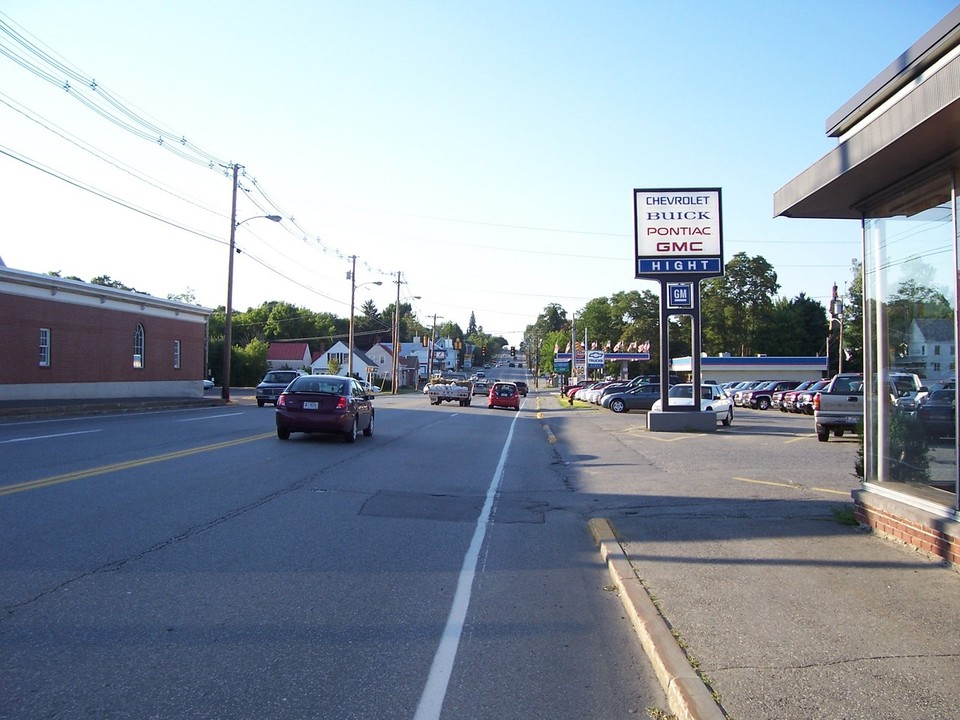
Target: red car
504 394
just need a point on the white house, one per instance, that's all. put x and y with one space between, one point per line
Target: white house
363 365
932 349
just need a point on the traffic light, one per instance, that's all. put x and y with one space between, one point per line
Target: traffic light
483 351
513 351
424 340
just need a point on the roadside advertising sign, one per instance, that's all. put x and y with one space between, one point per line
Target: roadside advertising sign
678 233
595 359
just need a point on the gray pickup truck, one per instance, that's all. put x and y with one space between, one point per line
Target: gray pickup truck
839 406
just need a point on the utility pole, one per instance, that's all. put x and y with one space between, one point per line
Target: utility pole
353 292
228 314
396 340
433 339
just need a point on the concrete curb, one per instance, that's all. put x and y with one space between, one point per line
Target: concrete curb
688 697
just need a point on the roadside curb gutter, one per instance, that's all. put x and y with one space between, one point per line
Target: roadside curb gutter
688 697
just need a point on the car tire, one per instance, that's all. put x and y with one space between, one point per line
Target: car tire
283 433
823 434
368 430
838 432
763 404
728 419
259 403
351 434
618 406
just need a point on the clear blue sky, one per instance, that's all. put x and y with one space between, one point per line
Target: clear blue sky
488 151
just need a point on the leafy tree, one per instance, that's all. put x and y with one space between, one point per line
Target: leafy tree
736 302
248 364
187 296
792 327
107 281
472 324
853 319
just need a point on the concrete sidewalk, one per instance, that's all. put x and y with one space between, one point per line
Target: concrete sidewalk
758 588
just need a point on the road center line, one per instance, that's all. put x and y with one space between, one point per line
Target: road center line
116 467
431 700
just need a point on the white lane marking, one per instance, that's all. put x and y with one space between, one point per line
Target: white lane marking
210 417
48 437
431 700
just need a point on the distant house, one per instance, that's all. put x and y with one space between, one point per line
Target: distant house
412 362
931 349
67 339
364 366
288 356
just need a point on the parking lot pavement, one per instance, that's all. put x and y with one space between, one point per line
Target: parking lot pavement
740 539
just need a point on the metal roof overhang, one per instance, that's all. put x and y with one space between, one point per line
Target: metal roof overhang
918 131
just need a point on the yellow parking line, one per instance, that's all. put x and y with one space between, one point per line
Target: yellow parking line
769 482
792 486
116 467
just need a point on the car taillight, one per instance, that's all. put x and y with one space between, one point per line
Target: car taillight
342 403
282 400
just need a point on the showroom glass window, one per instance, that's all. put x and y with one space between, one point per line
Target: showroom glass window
910 319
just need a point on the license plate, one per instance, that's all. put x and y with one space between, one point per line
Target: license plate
311 406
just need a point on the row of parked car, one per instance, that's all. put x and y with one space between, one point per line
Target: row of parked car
642 394
784 395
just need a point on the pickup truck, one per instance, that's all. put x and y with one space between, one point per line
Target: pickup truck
839 406
441 392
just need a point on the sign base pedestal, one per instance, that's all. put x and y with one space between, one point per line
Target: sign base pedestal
681 421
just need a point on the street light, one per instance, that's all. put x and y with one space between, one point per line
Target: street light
228 315
353 291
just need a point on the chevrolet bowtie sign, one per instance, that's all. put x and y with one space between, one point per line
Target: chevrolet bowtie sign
678 233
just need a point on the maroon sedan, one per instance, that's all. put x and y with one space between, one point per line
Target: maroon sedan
325 404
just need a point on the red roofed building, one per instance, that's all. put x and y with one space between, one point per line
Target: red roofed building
288 356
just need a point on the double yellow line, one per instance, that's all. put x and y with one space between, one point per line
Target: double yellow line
116 467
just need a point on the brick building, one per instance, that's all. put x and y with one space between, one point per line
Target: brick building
67 339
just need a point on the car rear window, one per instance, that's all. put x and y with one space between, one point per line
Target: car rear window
279 377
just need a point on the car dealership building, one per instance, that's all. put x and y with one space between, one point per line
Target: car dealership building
896 169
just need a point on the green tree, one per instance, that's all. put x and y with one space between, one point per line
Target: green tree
736 303
792 327
248 364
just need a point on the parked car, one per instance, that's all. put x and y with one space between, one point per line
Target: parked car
207 384
504 394
762 397
325 404
522 387
938 413
713 398
784 400
739 392
804 400
274 383
641 397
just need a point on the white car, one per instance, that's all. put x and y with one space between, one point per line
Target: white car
713 399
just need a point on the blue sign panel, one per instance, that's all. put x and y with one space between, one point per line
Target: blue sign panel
679 266
679 295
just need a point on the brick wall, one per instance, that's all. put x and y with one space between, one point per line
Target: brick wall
928 532
93 344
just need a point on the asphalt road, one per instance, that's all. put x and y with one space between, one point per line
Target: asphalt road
189 564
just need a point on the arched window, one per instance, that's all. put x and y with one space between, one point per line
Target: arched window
138 346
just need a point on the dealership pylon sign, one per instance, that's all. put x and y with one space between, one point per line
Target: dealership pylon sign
678 233
678 238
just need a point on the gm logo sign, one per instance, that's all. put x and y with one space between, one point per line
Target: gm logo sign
679 295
